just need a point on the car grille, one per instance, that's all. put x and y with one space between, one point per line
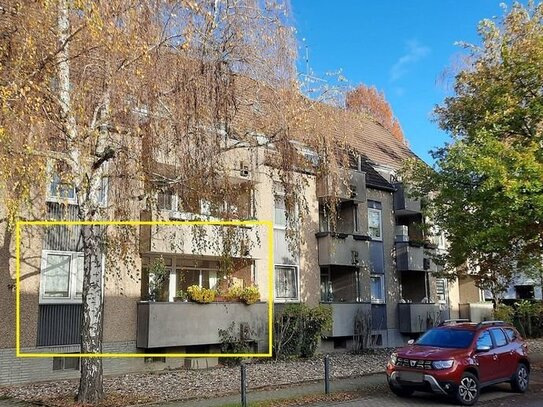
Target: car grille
414 363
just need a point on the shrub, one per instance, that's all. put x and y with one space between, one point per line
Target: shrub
504 313
235 342
250 295
200 294
298 328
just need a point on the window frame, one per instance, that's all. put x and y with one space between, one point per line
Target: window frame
379 212
52 174
382 284
297 282
445 290
49 197
72 286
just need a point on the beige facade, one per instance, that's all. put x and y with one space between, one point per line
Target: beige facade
366 264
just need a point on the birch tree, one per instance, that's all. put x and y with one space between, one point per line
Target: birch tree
92 90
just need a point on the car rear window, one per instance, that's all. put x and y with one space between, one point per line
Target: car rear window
447 338
511 334
499 337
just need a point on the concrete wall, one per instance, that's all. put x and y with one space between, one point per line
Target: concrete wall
163 324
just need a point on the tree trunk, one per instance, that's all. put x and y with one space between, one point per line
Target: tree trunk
90 384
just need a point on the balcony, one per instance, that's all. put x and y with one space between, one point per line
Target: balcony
352 186
476 312
343 315
342 249
417 318
414 257
167 324
205 240
403 204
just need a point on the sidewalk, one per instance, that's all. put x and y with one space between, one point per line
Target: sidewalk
361 383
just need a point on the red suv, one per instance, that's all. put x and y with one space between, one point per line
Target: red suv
458 358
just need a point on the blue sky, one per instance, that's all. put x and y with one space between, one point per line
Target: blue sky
404 48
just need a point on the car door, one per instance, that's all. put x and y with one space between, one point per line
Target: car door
505 352
486 360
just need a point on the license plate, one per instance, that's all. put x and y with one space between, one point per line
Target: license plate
410 377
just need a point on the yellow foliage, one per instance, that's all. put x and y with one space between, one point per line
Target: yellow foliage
200 294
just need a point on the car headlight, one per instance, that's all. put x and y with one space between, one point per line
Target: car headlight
442 364
394 358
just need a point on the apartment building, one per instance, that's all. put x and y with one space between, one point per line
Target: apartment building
369 257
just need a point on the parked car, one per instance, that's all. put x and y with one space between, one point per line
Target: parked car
458 358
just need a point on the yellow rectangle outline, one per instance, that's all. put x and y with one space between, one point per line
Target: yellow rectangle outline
20 354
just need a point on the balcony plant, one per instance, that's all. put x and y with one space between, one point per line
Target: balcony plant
233 293
200 294
158 274
250 295
181 296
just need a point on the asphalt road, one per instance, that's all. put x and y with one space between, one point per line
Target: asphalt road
495 396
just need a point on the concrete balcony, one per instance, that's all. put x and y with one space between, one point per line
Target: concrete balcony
403 204
414 257
342 249
171 324
418 318
343 315
476 312
205 240
351 186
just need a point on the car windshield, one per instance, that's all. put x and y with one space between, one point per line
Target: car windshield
447 338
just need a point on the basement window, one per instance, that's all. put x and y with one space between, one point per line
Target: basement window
64 363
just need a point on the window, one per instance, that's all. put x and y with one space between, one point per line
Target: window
374 223
441 290
61 276
60 191
484 340
167 200
286 283
63 363
326 286
377 288
499 337
206 278
280 215
511 334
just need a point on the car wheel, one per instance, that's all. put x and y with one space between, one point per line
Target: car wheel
467 392
521 379
400 391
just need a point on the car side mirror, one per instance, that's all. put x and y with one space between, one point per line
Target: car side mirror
410 341
482 348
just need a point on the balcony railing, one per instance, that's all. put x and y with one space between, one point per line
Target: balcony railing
342 249
403 204
351 186
167 324
418 318
343 315
414 257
